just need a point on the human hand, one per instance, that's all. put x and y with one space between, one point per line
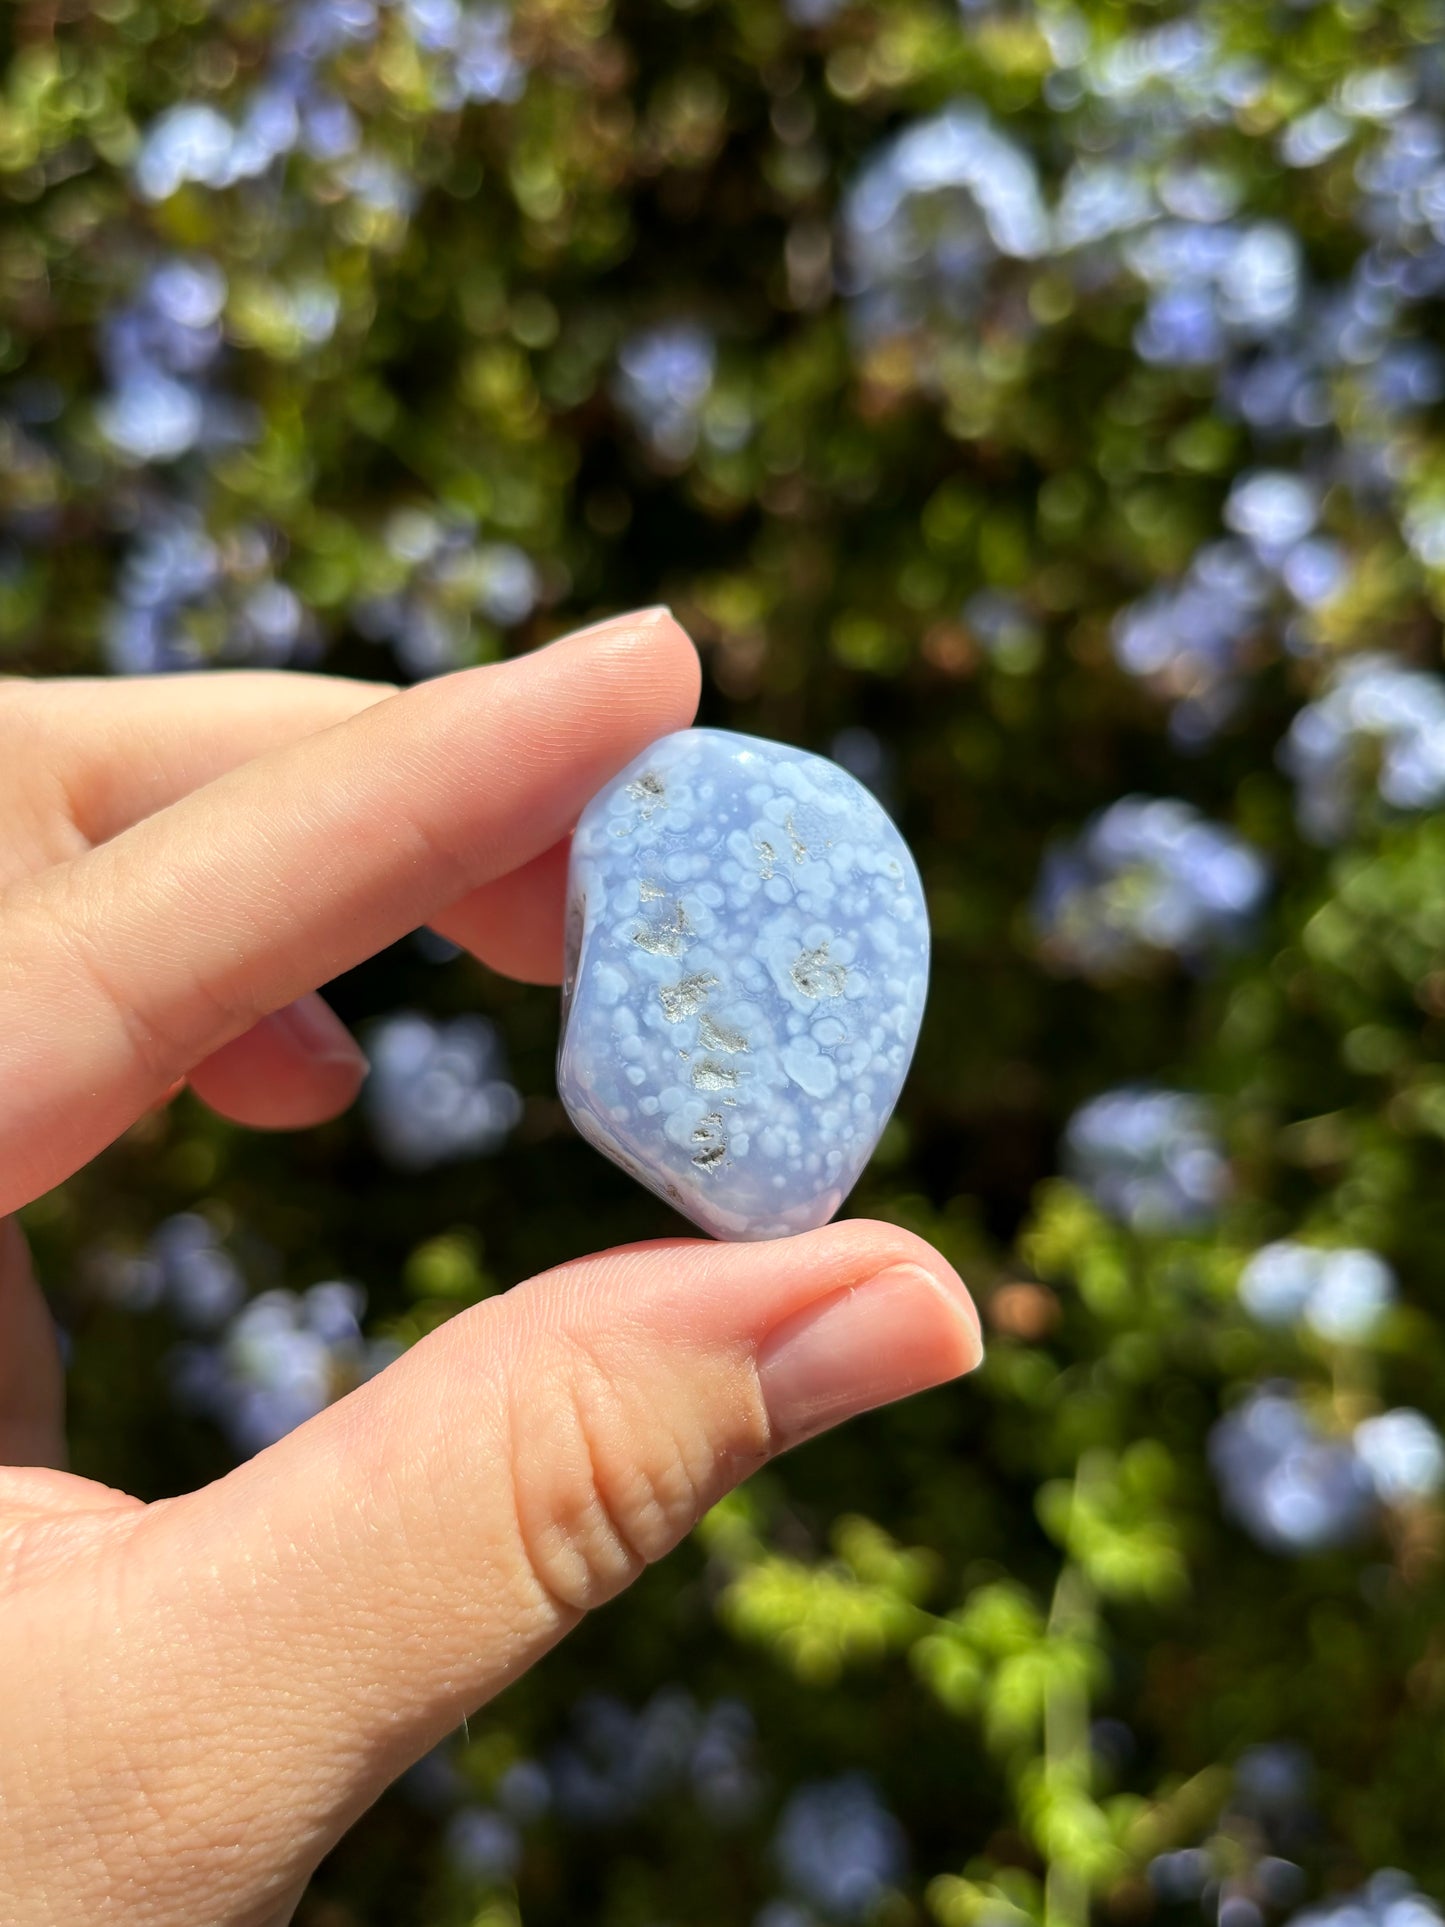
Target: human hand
198 1696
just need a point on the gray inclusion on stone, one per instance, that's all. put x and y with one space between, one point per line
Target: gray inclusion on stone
747 960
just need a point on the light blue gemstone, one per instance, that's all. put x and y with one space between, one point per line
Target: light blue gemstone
747 961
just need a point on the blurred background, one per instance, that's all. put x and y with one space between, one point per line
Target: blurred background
1038 408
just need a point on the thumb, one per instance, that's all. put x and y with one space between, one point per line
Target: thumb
352 1592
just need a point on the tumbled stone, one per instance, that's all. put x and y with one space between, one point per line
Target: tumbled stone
747 960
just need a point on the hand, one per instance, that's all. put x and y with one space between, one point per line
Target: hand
198 1696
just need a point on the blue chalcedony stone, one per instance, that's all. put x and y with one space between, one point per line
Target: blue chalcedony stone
747 960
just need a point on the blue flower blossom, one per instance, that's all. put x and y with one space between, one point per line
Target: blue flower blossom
1314 137
1182 1875
839 1848
1296 1488
482 1845
1102 198
185 600
612 1767
1403 1455
1214 287
524 1792
487 67
1147 876
1377 718
615 1763
438 1091
1389 1899
449 577
1274 1781
189 142
195 143
281 1359
1292 1487
1148 1157
1190 641
316 29
664 377
200 1280
1274 509
928 216
1340 1295
158 350
184 1268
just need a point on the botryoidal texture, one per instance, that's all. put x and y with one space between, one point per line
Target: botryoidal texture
747 962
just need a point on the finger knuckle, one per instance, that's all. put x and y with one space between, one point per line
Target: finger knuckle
606 1484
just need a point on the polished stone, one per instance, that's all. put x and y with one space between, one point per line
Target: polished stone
747 960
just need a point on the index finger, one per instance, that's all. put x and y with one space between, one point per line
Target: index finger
126 967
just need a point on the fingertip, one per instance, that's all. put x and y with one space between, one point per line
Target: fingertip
296 1103
911 1249
653 650
853 1249
900 1332
297 1067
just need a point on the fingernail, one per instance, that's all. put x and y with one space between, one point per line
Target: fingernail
625 618
313 1027
899 1333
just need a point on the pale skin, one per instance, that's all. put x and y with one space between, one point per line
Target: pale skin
198 1696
